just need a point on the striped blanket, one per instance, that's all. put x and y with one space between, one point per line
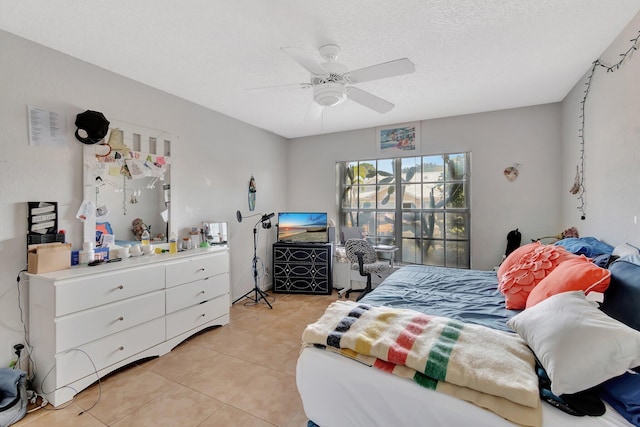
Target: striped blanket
492 369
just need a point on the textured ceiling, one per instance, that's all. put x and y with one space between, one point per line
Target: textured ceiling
470 55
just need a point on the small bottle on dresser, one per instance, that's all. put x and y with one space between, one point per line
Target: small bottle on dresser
87 254
187 244
173 244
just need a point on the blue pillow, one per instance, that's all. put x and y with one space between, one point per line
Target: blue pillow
622 297
587 246
623 394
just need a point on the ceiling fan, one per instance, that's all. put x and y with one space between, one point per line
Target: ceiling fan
332 82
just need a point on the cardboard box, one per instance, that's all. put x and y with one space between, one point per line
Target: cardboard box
101 253
48 257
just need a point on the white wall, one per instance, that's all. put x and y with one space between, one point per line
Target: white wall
612 147
528 136
213 161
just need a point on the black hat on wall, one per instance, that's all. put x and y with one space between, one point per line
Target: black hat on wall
92 127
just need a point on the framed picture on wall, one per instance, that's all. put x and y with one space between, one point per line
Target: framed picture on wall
398 139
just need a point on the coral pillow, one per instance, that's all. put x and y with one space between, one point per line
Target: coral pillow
577 274
515 256
528 270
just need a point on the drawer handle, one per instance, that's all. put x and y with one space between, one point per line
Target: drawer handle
201 269
121 348
121 318
202 315
120 287
201 292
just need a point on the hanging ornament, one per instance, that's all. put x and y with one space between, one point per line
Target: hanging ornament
576 183
252 193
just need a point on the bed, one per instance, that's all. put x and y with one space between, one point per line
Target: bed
346 391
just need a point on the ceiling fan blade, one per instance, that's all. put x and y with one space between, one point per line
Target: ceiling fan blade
303 58
279 88
314 112
369 100
381 71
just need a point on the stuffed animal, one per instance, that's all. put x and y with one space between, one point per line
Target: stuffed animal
137 227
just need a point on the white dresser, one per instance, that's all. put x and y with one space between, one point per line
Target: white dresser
114 314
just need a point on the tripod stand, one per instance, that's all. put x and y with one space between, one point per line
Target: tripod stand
258 293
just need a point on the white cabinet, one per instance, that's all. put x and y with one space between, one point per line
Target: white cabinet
88 321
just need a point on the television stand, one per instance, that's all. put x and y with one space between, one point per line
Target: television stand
302 268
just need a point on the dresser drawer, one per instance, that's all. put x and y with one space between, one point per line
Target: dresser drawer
192 317
196 268
75 364
192 293
79 328
91 291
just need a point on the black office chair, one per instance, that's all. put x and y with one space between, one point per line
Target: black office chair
365 259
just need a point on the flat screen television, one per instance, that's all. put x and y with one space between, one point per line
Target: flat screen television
302 227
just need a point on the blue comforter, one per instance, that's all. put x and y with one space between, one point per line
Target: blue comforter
467 295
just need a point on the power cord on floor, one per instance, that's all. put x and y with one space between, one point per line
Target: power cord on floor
32 397
95 370
31 364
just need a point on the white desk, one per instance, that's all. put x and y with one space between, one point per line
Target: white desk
386 250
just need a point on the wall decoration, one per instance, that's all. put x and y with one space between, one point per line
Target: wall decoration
43 223
92 127
576 182
46 128
398 139
512 172
43 217
578 186
252 194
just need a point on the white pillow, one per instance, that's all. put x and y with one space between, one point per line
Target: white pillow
577 344
633 258
624 249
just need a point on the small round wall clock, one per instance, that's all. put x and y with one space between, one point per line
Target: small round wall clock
252 193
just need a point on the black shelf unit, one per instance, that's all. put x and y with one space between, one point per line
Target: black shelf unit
302 268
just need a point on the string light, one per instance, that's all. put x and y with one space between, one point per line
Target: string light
635 42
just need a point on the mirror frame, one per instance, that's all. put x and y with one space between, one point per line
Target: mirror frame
136 138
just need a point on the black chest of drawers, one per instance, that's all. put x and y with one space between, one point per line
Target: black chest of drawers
300 268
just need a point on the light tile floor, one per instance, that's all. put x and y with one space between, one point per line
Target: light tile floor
241 374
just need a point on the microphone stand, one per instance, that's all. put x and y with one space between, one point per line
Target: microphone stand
258 293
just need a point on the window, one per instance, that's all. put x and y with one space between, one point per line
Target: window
420 204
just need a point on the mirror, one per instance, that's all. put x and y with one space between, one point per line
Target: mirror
127 184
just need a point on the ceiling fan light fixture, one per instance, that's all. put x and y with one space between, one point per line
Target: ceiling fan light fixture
329 94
